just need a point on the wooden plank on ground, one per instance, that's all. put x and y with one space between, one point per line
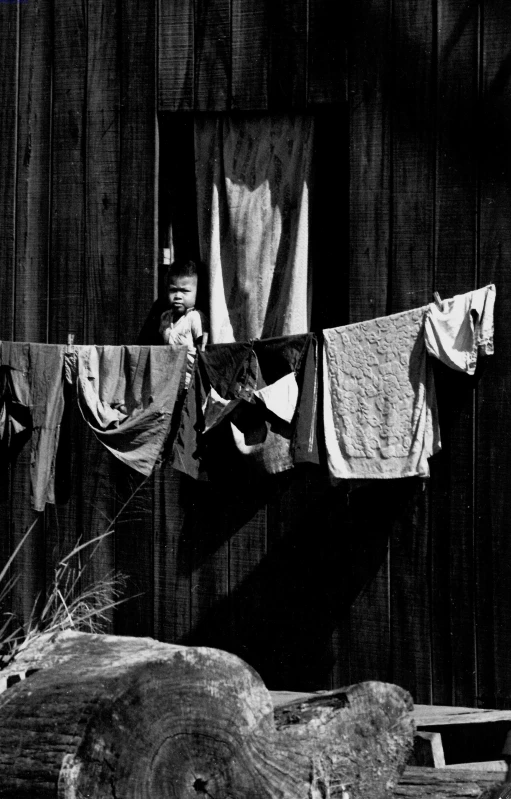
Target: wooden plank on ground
494 422
9 44
139 159
369 209
102 173
33 187
212 55
327 50
455 272
176 55
250 55
288 55
444 783
66 301
440 715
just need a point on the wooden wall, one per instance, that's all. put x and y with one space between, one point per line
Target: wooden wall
313 586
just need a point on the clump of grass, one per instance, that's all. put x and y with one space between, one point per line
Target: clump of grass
70 601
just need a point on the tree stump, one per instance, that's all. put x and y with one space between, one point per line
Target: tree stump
106 717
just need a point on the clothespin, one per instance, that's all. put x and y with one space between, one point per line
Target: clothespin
70 359
166 256
438 301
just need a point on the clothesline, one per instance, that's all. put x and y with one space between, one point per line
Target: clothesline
359 399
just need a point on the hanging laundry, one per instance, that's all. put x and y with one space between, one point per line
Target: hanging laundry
255 410
461 328
31 405
127 395
380 413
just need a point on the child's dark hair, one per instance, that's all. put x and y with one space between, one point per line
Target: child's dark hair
182 268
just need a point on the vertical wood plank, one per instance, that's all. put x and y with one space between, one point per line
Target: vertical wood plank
134 536
369 88
410 285
247 550
412 155
327 36
250 55
101 285
98 506
212 55
176 56
134 552
66 301
172 556
370 241
33 189
102 173
368 528
209 567
9 44
67 256
138 174
494 421
455 272
9 71
288 54
410 593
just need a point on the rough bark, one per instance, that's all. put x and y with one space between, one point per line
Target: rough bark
105 717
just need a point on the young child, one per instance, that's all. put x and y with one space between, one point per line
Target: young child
183 323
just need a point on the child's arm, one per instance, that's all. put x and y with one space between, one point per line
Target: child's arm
199 330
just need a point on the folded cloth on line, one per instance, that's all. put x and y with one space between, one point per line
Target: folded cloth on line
461 329
127 396
380 413
32 403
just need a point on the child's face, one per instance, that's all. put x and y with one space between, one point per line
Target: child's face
182 294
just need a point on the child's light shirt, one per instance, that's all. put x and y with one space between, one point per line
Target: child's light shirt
185 330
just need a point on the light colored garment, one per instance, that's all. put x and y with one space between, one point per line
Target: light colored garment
127 396
252 178
380 411
461 329
186 330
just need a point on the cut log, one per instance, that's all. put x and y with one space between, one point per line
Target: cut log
106 717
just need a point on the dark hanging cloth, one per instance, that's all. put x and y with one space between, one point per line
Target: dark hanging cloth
31 406
251 408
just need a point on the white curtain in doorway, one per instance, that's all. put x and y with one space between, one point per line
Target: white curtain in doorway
253 179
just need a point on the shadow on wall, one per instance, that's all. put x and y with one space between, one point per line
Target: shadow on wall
280 618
